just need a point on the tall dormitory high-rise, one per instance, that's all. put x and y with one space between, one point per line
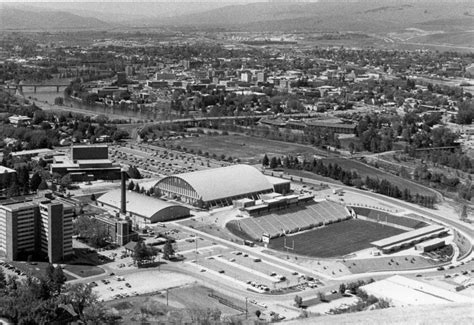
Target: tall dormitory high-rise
39 227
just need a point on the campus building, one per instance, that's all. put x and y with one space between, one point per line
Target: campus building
410 239
215 187
40 227
86 162
141 209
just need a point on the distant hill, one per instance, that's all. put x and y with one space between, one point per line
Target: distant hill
16 19
375 16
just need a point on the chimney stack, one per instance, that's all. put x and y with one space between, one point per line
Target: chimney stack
123 200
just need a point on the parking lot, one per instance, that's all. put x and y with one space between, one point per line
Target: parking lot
156 161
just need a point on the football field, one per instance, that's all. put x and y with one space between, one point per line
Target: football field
337 239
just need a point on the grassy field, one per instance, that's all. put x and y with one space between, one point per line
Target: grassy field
247 149
185 303
38 269
364 170
395 263
337 239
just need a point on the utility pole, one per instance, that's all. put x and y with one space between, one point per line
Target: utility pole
196 250
167 290
246 308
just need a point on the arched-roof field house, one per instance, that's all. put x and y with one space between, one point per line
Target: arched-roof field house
143 209
217 186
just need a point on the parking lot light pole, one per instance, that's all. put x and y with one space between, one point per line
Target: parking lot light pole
246 308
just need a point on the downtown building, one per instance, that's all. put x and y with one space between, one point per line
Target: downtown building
41 228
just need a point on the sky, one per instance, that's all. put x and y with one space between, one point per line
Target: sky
143 1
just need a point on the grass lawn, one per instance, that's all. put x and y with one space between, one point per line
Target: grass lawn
84 271
395 263
247 149
364 170
38 269
337 239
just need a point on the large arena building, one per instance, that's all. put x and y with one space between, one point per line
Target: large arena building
218 186
142 209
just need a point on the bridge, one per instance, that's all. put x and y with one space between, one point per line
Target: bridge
35 86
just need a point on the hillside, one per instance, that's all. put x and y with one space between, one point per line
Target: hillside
16 19
375 16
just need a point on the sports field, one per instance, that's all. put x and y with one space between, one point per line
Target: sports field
247 149
337 239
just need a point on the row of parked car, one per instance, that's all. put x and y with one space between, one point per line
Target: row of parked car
12 268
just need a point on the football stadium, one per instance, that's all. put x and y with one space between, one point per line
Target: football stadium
328 229
271 214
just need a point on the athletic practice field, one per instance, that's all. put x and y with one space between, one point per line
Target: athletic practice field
337 239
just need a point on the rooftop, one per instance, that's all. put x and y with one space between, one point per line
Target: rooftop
407 235
138 204
226 182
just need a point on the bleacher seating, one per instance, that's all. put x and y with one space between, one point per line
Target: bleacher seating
292 220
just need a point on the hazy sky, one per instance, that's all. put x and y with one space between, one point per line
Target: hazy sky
144 1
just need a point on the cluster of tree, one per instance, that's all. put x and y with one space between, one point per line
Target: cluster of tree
465 113
168 250
134 173
424 175
144 254
16 183
364 301
91 230
456 159
46 300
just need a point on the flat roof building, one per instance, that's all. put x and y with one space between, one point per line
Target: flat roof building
402 291
86 162
409 238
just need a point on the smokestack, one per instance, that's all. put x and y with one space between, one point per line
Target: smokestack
123 199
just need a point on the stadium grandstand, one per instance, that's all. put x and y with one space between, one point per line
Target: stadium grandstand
216 187
291 220
389 218
142 209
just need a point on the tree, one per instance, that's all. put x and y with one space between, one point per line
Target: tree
168 250
258 313
65 182
90 229
131 186
298 301
265 161
321 297
342 288
134 173
3 280
93 198
35 182
273 163
43 185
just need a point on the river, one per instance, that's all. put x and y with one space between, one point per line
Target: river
45 96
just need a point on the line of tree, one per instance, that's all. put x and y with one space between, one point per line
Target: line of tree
352 178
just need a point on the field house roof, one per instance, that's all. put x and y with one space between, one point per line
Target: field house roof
139 204
226 182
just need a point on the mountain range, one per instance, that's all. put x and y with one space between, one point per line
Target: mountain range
363 16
